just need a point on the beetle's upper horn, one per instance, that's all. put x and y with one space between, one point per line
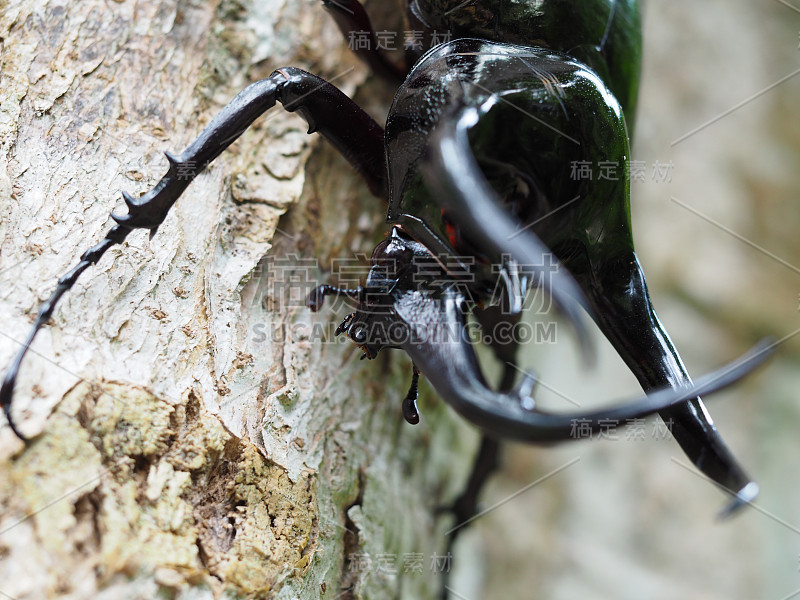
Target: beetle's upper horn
453 173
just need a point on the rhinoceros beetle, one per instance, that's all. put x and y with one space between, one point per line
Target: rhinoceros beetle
474 163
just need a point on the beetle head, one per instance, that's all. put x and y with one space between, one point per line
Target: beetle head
402 273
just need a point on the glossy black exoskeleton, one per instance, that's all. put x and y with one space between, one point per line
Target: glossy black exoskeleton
475 164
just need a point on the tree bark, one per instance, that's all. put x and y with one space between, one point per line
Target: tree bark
194 435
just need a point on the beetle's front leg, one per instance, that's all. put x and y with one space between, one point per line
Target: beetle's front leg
326 109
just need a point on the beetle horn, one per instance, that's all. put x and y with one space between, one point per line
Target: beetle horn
437 344
453 174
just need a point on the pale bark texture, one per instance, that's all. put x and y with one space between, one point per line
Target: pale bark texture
194 437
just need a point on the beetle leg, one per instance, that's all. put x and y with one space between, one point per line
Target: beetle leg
487 460
351 18
326 109
497 325
465 507
515 285
618 292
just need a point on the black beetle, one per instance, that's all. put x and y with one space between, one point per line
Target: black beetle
455 189
478 149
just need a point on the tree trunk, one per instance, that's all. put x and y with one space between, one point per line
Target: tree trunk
199 436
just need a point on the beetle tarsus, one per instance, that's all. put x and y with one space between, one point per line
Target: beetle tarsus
740 499
116 235
316 298
7 412
410 411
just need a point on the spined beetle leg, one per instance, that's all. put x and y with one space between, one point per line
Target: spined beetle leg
326 109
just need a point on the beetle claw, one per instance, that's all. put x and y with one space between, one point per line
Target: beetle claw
5 399
344 324
741 499
316 298
524 391
410 411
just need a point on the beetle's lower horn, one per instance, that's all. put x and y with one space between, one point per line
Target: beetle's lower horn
450 364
